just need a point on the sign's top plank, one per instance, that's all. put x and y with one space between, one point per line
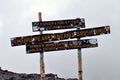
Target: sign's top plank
64 45
58 24
61 36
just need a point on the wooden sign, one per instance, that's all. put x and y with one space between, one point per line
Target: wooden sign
58 24
60 36
64 45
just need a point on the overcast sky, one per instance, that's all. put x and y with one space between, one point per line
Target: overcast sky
101 63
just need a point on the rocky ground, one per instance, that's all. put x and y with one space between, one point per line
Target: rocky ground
8 75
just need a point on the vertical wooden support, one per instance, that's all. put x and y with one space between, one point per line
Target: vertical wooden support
79 62
42 70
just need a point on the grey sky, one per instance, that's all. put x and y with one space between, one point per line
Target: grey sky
101 63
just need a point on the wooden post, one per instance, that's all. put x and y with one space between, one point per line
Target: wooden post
42 70
79 62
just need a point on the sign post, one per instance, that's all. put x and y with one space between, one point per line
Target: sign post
46 42
80 65
79 62
42 70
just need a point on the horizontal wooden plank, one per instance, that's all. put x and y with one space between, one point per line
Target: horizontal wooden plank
60 36
64 45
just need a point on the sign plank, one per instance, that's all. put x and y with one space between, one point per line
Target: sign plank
58 24
61 36
64 45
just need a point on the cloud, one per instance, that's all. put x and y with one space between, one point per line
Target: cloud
100 63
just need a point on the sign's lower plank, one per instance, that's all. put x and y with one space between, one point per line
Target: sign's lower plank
60 36
64 45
